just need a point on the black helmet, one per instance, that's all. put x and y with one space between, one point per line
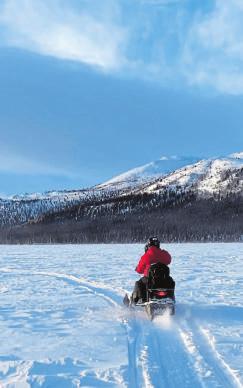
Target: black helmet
152 241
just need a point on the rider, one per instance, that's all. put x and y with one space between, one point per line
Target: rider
153 254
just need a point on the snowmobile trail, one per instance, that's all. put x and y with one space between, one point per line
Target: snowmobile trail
114 299
97 289
167 352
138 366
167 360
133 340
159 355
150 349
210 364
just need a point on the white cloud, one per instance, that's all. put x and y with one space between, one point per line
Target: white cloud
12 162
50 28
213 50
171 45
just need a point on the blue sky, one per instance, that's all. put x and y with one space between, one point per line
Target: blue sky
89 89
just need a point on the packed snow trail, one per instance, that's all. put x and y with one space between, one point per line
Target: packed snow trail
150 350
66 327
203 351
155 354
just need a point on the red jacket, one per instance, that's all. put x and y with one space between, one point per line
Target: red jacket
153 255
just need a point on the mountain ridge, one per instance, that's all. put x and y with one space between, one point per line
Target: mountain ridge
140 199
166 166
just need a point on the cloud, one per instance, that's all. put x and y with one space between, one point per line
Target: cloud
12 162
169 42
52 28
213 49
202 47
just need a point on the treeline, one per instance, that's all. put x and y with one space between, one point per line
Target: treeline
174 215
18 211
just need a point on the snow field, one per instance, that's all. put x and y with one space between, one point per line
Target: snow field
62 323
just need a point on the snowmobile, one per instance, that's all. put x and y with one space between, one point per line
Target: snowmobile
160 293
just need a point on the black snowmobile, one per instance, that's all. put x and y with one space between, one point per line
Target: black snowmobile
160 292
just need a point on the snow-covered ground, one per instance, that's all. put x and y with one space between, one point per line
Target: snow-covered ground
62 323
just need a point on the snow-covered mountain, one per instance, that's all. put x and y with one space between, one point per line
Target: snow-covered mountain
147 173
23 208
206 178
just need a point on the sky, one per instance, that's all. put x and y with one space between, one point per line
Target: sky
90 89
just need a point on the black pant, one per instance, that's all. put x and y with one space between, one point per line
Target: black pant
139 291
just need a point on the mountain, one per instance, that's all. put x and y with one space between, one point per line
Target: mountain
206 177
181 199
20 209
148 173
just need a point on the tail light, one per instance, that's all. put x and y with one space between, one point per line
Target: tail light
161 293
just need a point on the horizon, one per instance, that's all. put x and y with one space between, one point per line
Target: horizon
90 91
192 160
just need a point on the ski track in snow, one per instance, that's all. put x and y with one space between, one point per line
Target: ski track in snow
168 352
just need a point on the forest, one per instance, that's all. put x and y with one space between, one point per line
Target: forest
174 215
